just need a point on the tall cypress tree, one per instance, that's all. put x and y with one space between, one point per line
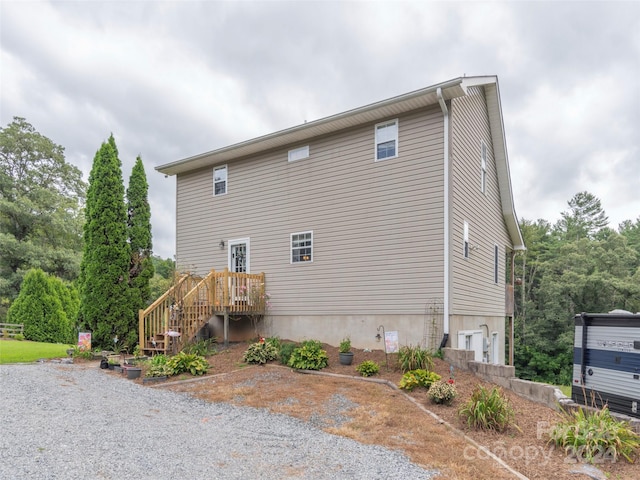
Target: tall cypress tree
105 304
141 268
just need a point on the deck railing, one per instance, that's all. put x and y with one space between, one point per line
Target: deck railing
178 315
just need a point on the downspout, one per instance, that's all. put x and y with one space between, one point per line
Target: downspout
445 113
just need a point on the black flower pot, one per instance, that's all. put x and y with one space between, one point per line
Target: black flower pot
346 358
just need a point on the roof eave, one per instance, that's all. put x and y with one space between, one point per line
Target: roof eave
304 132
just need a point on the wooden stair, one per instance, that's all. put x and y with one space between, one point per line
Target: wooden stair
175 318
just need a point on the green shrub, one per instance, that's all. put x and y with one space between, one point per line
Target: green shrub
260 352
415 358
274 341
82 353
594 436
188 362
368 368
19 337
203 348
345 345
158 367
488 410
418 378
286 349
40 306
443 392
309 356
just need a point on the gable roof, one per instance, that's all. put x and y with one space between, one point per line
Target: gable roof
371 113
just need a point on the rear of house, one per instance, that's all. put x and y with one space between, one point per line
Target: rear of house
387 217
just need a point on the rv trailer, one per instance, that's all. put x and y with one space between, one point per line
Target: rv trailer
606 361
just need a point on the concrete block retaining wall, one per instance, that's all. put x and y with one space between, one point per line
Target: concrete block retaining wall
505 377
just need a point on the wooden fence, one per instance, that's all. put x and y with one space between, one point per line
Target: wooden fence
11 329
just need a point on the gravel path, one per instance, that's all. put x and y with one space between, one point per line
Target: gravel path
72 421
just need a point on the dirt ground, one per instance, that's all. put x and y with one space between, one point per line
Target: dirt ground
373 412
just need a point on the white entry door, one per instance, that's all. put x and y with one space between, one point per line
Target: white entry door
239 255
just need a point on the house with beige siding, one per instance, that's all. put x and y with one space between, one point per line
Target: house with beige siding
393 217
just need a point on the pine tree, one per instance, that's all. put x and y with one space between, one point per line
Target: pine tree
584 219
105 303
141 268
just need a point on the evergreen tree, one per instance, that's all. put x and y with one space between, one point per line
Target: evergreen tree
585 218
105 303
141 268
41 309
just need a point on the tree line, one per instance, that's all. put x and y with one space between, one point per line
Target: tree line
577 265
73 256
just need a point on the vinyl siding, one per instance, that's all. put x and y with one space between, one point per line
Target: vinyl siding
377 226
473 291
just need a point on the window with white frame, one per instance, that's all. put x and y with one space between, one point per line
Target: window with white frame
299 153
220 180
302 247
496 264
483 169
386 140
465 240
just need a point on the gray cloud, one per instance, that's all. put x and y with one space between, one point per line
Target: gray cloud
174 79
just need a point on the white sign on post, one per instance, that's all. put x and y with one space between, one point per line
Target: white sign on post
391 342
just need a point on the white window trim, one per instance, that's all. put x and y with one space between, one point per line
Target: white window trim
291 247
496 263
299 153
236 242
483 168
226 180
465 240
375 136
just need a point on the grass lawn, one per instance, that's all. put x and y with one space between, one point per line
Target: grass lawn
14 351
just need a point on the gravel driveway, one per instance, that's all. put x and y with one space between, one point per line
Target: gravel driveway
62 421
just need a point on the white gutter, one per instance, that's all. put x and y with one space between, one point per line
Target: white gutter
445 113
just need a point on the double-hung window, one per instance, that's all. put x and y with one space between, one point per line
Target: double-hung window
220 180
386 140
465 240
483 168
302 247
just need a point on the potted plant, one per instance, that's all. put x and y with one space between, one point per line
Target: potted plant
114 361
345 353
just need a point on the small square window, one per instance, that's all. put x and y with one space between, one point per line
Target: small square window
220 180
386 140
302 247
299 153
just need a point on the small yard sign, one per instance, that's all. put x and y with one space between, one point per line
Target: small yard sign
84 341
391 342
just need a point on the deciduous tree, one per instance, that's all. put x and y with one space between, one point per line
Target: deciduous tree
41 196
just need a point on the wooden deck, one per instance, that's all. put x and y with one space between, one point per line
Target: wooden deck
176 317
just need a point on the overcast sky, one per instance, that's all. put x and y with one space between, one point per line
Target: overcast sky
175 79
